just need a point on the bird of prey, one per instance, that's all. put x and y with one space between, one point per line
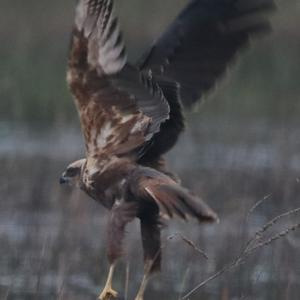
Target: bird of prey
131 114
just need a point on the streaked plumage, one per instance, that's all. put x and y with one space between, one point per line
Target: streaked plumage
132 114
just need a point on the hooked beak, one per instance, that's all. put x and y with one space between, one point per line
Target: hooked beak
63 180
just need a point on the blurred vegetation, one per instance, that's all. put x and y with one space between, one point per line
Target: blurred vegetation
34 39
52 238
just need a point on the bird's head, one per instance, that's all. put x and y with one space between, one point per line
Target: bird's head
72 174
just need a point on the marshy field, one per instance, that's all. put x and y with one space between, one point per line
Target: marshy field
240 153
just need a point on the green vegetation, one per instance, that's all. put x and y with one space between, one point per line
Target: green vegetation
34 40
240 154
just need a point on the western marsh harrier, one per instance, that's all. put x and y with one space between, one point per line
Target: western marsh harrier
132 114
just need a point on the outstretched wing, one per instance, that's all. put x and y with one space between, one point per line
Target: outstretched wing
194 52
119 108
96 21
196 49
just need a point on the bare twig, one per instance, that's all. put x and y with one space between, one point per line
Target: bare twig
183 283
257 204
212 277
250 250
274 238
190 243
276 220
258 234
127 281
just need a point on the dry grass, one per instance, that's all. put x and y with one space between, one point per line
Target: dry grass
254 244
71 264
190 243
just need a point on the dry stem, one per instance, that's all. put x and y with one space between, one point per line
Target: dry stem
250 248
190 243
257 204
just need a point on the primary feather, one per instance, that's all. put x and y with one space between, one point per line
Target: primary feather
120 109
132 115
198 46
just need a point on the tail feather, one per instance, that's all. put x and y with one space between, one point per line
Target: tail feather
174 200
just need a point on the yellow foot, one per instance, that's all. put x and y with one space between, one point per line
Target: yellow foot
108 294
139 298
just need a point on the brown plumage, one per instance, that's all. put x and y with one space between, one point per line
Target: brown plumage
132 114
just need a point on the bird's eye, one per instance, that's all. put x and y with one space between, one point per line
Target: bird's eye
72 172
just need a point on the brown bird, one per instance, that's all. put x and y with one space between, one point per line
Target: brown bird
131 114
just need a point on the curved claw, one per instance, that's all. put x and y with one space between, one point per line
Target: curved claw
108 294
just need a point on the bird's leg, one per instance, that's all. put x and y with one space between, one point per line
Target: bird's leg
121 215
108 293
150 230
141 292
148 273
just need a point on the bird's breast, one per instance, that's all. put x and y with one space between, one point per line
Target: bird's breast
107 184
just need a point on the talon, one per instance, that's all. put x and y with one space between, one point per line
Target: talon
108 294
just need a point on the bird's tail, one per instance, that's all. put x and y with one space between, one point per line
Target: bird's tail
172 199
